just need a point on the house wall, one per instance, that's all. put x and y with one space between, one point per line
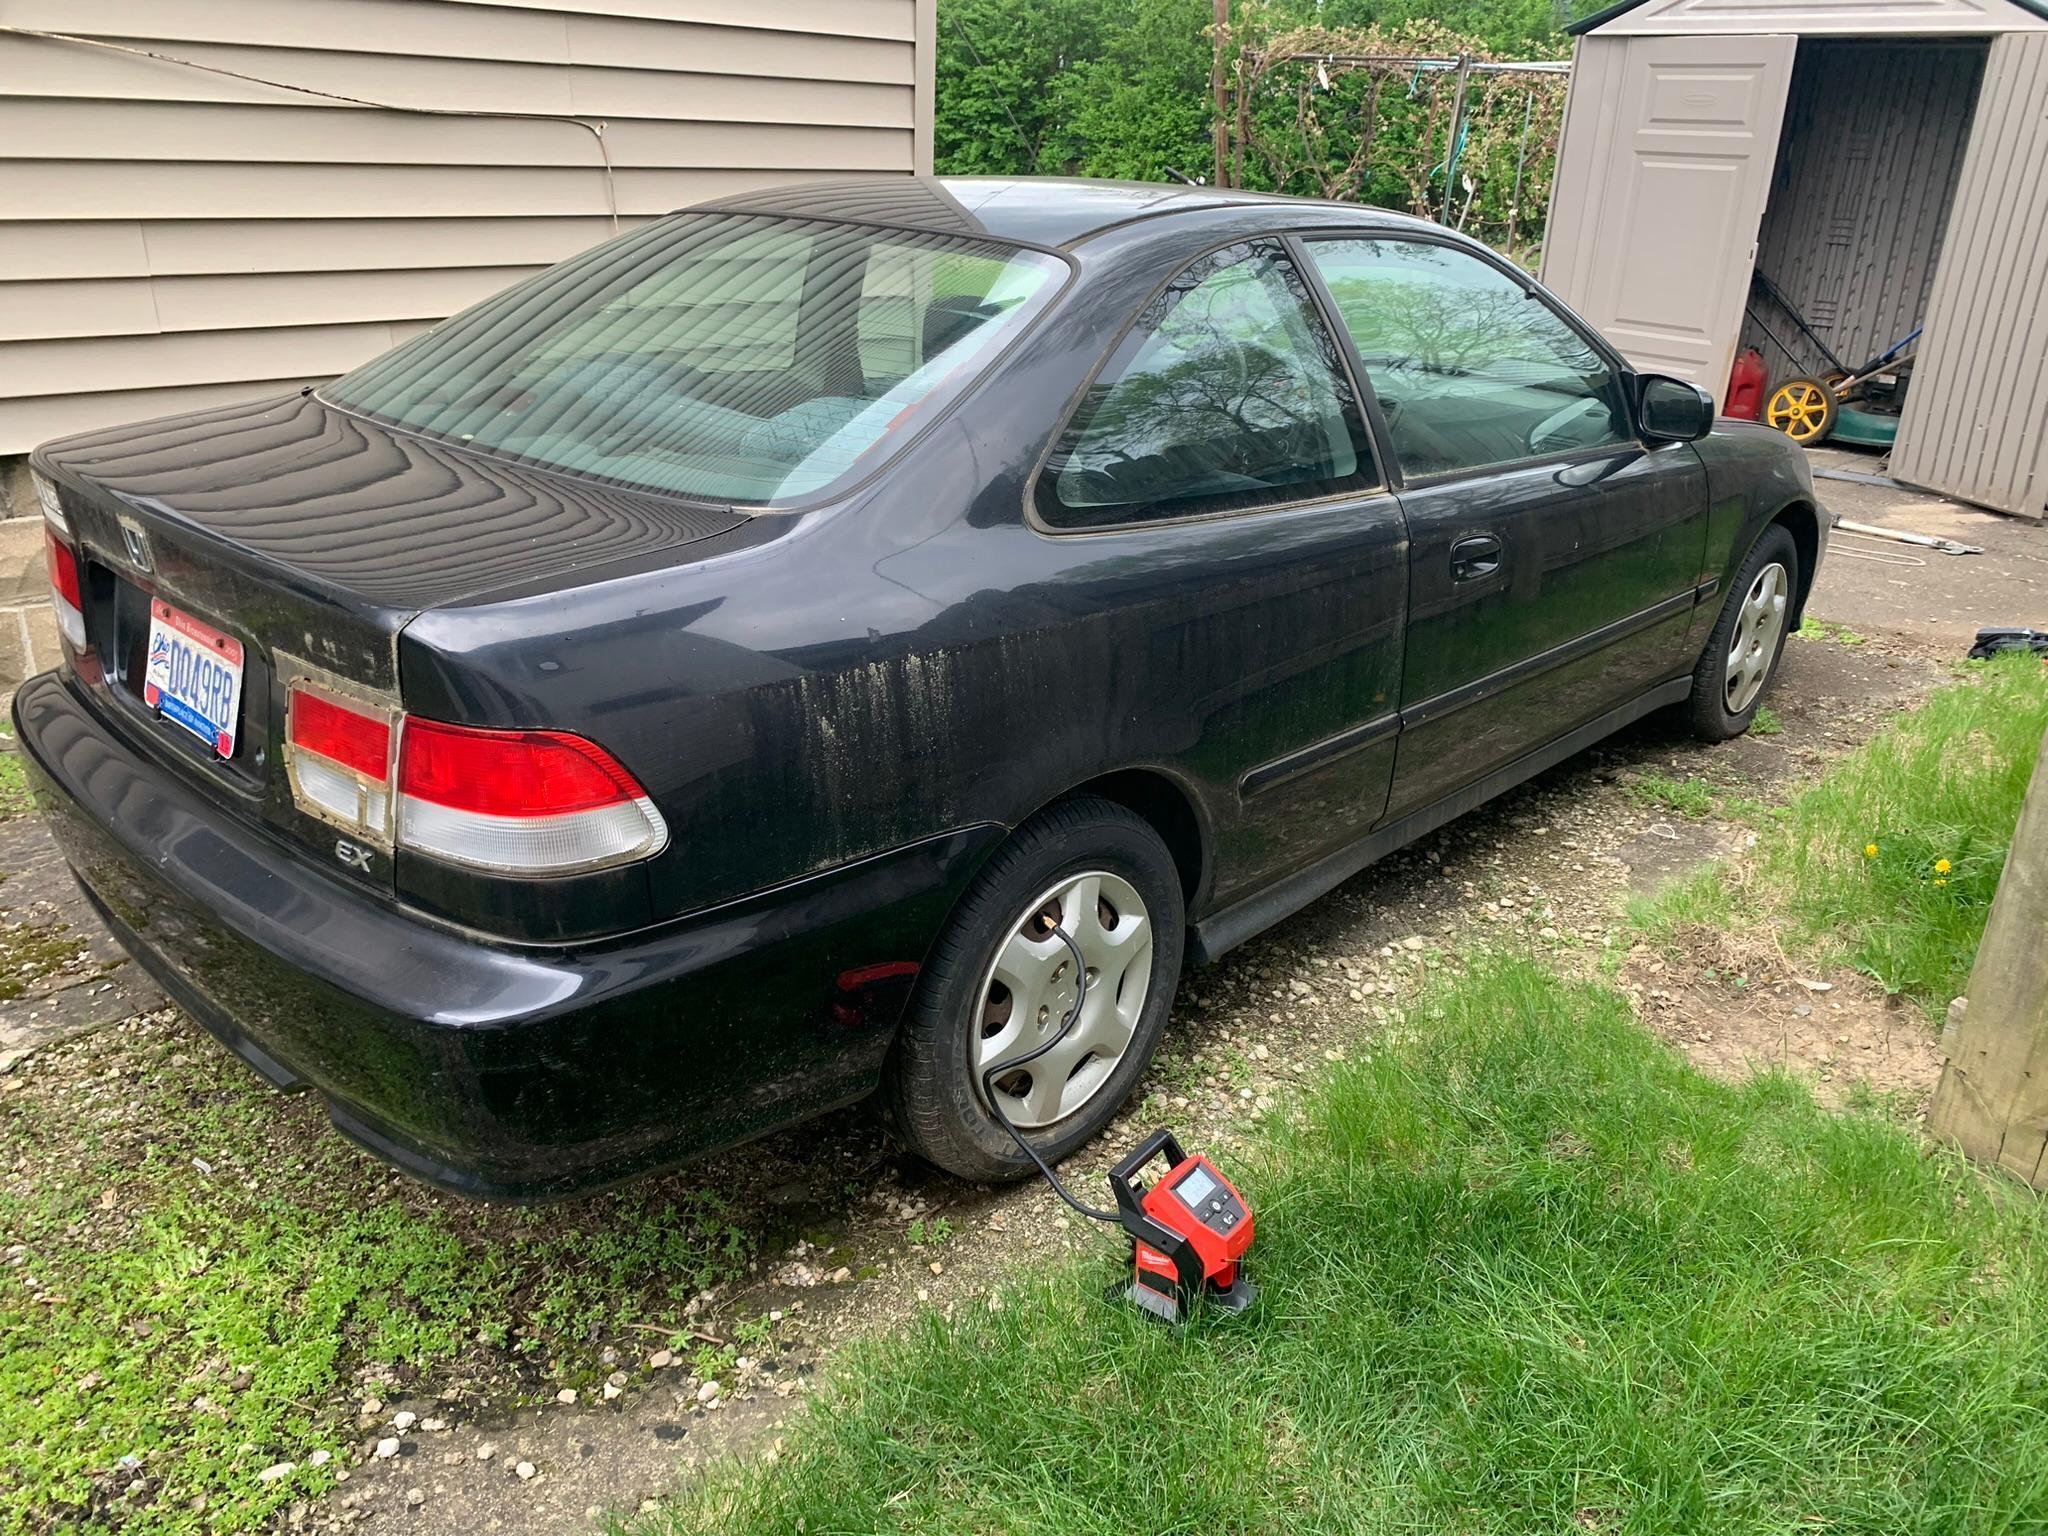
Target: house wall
1867 168
172 238
1976 417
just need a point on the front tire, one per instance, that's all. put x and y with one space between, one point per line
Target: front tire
999 982
1742 653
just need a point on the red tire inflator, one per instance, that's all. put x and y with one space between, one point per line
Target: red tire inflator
1188 1232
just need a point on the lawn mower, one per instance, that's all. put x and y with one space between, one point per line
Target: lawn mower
1850 405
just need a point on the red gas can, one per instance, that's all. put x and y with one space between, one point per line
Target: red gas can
1746 383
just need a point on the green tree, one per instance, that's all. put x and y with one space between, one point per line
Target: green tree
997 66
1120 88
1141 103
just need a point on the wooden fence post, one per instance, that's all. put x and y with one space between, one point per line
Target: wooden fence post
1992 1100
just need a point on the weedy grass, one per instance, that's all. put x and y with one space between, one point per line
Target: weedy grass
14 796
1695 798
1888 864
1828 632
201 1280
1522 1270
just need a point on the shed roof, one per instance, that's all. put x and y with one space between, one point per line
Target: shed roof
1835 18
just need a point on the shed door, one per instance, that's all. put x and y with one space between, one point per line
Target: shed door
1669 145
1976 420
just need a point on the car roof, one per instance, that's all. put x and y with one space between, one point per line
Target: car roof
1037 210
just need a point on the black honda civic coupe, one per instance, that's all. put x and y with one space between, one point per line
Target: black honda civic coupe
714 680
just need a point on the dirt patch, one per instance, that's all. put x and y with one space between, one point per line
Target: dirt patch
1874 585
1736 1007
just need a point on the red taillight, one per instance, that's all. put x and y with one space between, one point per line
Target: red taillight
359 742
520 802
63 570
65 590
509 773
515 802
338 758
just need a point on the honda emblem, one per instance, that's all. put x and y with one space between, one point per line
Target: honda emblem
136 542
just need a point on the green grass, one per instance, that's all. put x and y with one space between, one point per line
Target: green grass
1683 797
1851 869
1828 632
1522 1272
14 797
200 1279
1765 722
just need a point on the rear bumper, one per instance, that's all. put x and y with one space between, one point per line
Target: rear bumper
506 1073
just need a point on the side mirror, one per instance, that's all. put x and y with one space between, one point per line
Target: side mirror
1671 410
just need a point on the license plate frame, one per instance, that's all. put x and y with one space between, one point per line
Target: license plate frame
192 676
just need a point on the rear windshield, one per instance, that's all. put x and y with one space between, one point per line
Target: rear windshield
722 356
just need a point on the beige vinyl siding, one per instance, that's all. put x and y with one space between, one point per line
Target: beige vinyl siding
172 237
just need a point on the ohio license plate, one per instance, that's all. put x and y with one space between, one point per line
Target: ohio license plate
194 676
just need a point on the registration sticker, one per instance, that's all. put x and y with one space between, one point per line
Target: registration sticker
194 676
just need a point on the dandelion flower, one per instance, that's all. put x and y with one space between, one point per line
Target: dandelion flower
1941 882
1870 850
1942 866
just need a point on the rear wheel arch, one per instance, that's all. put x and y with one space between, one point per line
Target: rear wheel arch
1169 809
1801 519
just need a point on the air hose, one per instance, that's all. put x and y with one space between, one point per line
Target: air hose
994 1102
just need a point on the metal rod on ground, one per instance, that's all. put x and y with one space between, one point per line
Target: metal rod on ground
1992 1100
1900 536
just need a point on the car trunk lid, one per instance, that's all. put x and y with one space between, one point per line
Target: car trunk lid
307 538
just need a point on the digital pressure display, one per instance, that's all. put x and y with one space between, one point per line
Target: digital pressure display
1195 1188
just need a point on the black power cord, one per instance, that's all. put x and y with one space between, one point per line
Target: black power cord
1066 1028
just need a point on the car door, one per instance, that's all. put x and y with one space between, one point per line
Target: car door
1553 556
1219 492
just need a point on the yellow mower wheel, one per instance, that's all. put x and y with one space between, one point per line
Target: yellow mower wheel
1802 409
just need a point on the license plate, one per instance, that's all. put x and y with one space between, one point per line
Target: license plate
194 676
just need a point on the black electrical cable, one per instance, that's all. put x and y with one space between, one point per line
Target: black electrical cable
1066 1028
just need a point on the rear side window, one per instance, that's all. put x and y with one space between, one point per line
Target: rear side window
1226 395
732 358
1471 369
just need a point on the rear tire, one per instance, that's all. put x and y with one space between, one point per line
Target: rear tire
963 1017
1742 654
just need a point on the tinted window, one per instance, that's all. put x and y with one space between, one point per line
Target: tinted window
1226 394
733 358
1470 367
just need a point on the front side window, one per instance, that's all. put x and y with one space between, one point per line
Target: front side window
1471 369
1225 395
732 358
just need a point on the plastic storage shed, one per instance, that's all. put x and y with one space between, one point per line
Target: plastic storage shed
1891 159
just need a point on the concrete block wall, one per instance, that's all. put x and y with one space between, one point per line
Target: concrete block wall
28 625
